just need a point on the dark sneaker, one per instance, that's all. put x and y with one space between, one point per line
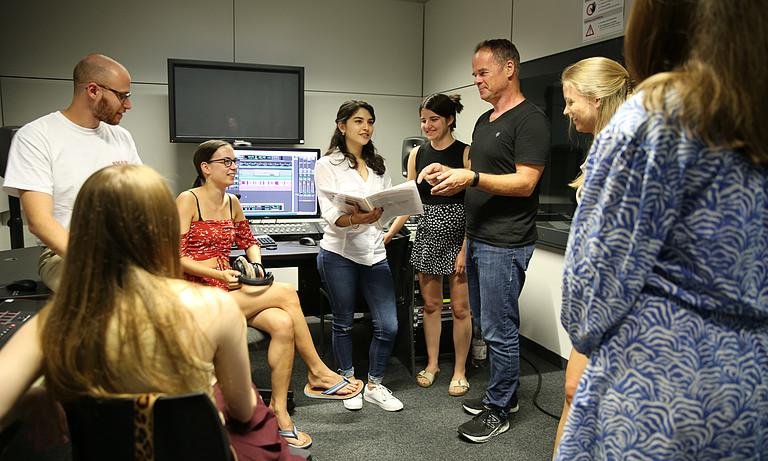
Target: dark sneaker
476 406
489 423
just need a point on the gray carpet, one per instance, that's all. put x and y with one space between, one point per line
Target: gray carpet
426 428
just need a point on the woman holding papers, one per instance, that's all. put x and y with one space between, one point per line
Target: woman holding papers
352 254
211 220
438 250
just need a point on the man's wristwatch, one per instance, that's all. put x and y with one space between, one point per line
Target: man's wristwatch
476 179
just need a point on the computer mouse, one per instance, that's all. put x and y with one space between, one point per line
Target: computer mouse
309 241
22 285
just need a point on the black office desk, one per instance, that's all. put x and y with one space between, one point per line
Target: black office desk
304 257
21 263
17 264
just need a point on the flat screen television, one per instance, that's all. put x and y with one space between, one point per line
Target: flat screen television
540 83
254 103
276 183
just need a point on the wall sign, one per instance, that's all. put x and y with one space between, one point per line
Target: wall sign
602 18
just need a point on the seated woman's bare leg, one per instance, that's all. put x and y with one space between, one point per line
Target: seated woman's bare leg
254 299
279 326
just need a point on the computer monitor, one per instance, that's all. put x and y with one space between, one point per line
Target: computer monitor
276 182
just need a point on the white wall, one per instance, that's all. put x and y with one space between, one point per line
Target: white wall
546 27
367 49
452 29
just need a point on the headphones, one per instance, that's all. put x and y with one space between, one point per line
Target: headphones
252 273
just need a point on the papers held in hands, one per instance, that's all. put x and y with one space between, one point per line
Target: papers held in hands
399 200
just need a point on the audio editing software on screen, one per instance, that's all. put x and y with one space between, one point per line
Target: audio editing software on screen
276 183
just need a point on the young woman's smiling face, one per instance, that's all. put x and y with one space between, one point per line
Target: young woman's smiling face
581 109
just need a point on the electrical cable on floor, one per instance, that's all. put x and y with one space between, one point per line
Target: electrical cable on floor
538 390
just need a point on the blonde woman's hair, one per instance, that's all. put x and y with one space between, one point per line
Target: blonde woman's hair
123 250
705 60
603 79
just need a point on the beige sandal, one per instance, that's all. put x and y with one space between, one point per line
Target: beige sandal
460 385
427 377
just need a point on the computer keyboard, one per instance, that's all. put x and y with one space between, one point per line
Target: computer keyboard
10 321
298 228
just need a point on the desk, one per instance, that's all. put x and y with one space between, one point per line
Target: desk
21 263
304 257
17 264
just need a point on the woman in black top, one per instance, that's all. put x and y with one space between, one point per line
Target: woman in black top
439 246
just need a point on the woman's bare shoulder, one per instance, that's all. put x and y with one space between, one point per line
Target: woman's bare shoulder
204 302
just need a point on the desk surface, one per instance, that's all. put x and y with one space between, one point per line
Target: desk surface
18 264
285 252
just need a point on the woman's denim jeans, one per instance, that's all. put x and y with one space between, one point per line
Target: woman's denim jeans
495 277
343 279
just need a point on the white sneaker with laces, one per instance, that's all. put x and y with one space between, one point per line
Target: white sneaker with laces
382 397
355 403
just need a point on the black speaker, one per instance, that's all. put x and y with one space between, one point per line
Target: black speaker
15 222
6 134
408 144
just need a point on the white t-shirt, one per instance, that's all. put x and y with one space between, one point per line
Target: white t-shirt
55 156
364 245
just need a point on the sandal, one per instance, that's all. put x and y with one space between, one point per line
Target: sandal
293 433
458 387
427 378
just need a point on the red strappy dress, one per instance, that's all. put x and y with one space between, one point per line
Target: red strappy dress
213 238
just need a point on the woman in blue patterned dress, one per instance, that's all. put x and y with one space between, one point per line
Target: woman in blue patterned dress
593 89
666 279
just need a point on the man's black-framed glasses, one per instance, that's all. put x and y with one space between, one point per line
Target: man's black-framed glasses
227 162
121 96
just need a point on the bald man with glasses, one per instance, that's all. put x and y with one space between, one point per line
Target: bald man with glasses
52 156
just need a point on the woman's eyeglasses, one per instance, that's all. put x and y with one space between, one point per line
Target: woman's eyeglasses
227 162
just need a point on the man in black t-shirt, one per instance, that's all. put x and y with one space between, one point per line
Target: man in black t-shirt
510 145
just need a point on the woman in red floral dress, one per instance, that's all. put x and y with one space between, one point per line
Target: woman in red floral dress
211 220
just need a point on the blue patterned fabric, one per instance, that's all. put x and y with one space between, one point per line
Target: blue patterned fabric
666 290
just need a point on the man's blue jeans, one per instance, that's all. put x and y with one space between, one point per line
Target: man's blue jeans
342 279
495 277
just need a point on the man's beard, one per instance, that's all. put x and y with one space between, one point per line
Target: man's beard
105 114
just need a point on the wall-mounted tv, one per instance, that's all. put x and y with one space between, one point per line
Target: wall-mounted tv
260 104
540 83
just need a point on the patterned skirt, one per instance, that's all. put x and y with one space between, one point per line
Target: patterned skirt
439 236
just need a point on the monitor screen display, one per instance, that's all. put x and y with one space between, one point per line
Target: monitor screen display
540 83
276 183
249 102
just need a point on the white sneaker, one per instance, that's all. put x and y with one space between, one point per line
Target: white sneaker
382 397
355 403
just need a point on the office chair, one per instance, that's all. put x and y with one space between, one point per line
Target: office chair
184 427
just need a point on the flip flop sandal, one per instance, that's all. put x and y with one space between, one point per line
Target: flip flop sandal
331 392
426 376
294 434
461 384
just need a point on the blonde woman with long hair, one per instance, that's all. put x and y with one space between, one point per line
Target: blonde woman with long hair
123 322
593 90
